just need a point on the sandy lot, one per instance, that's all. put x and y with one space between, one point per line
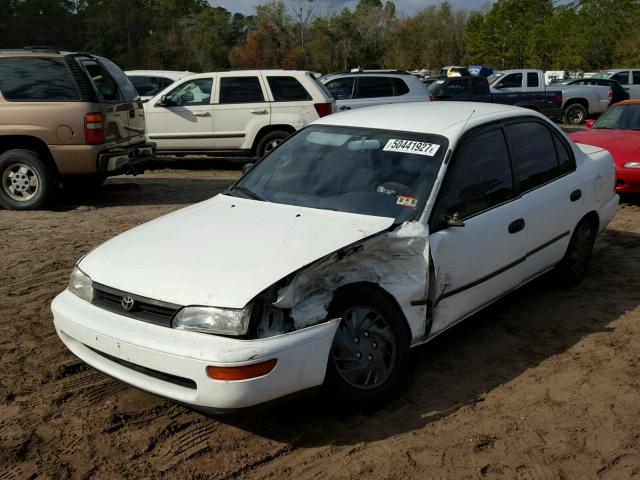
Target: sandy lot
545 384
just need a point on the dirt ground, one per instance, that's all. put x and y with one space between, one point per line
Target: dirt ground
545 384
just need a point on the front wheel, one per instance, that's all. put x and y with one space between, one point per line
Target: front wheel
575 263
369 358
270 141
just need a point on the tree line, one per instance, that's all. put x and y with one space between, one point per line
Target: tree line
192 35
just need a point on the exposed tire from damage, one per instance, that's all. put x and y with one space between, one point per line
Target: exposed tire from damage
369 358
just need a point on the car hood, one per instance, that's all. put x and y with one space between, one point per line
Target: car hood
224 251
624 145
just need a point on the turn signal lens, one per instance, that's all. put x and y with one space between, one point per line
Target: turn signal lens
241 373
93 129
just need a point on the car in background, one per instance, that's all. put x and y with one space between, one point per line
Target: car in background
365 88
149 83
578 102
365 234
234 113
618 93
66 116
618 131
476 89
629 78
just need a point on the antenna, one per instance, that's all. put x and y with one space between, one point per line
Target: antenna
466 121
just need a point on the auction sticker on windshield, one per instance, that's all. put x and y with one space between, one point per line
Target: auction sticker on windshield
407 201
411 146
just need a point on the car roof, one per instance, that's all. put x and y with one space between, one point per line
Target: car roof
158 72
443 118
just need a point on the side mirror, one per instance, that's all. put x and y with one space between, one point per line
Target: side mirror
163 102
454 220
589 123
246 167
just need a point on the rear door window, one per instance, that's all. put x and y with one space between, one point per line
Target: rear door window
341 88
36 80
240 90
287 89
622 77
127 90
104 84
532 79
372 87
636 77
481 176
399 87
540 161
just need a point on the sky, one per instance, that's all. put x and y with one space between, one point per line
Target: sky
408 7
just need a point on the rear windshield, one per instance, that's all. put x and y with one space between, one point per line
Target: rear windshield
36 80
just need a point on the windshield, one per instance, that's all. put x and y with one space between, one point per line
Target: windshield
366 171
604 74
492 78
621 117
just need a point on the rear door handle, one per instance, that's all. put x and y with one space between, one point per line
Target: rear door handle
202 114
344 107
516 225
259 111
576 195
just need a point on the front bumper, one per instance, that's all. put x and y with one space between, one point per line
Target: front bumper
172 363
127 160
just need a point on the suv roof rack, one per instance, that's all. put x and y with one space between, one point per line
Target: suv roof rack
43 48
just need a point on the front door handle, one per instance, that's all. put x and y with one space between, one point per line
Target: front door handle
259 111
576 195
516 225
344 107
202 114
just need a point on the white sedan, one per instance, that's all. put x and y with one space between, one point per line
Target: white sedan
363 235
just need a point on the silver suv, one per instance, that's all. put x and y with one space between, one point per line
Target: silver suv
364 88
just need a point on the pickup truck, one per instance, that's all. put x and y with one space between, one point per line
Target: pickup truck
578 102
476 89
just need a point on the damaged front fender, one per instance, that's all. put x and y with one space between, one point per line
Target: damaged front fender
396 260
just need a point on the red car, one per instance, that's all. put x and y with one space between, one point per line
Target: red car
618 130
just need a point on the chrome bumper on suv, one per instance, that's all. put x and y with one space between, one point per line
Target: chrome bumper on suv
127 160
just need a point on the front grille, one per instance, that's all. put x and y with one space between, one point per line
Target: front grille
166 377
144 309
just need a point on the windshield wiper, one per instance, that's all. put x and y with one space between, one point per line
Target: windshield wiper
249 193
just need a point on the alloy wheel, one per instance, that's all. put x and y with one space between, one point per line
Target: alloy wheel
20 182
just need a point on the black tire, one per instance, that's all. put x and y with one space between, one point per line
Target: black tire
83 183
379 346
270 141
575 114
27 181
575 264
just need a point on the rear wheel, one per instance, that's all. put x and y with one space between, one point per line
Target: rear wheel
574 265
270 141
369 357
575 114
28 183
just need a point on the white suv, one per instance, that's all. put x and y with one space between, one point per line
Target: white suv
243 112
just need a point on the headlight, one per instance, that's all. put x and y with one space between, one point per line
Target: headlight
223 321
632 165
80 284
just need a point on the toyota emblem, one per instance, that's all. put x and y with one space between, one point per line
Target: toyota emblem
127 303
